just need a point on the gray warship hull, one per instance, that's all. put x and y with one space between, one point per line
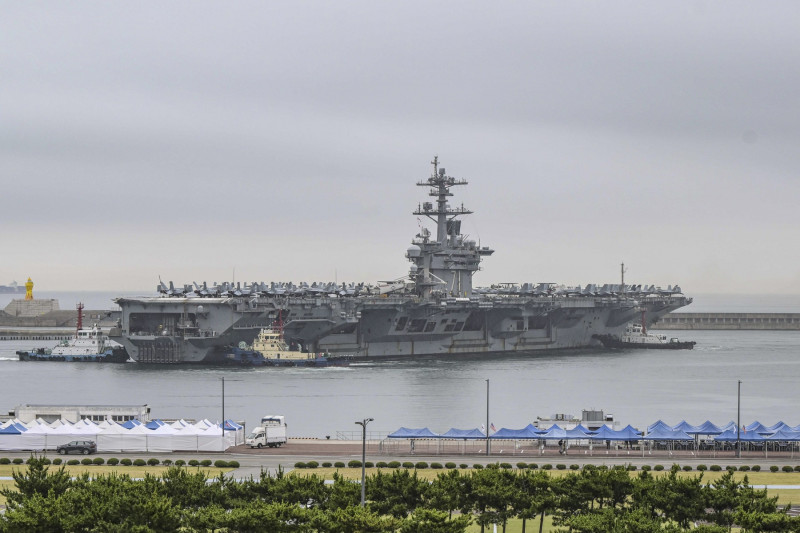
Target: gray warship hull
433 311
191 330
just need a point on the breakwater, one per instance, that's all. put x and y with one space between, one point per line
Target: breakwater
729 321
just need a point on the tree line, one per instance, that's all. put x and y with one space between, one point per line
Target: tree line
594 499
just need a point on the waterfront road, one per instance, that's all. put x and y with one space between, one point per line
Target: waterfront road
253 461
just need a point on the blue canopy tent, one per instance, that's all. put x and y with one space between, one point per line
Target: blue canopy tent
660 425
528 432
729 425
606 433
786 435
230 425
554 432
683 425
747 437
12 429
706 428
407 433
667 434
454 433
780 425
154 424
130 424
579 432
757 427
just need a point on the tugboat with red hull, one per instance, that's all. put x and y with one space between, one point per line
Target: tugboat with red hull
89 345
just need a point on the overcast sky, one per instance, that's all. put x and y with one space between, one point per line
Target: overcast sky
283 140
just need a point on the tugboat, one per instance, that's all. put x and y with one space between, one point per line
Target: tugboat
636 336
270 349
89 345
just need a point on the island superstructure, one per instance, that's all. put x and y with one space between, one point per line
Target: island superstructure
433 310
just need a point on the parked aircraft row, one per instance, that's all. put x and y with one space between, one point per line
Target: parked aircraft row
255 289
230 289
552 289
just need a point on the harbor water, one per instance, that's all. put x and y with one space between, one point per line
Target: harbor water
637 386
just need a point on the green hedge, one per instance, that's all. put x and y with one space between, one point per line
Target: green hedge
233 464
773 468
221 463
327 464
477 466
310 464
98 461
420 465
86 461
715 468
139 462
205 462
112 461
57 461
408 464
450 465
437 466
547 466
194 462
5 461
299 464
658 468
180 462
153 461
338 464
125 461
756 468
73 462
354 463
394 464
702 468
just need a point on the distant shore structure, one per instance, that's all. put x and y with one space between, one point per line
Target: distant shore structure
30 306
749 321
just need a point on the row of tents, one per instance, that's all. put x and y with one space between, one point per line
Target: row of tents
658 431
130 436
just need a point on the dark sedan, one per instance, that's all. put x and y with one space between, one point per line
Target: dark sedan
78 446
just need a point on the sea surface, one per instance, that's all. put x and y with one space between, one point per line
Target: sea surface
637 386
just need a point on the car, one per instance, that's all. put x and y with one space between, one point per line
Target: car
80 446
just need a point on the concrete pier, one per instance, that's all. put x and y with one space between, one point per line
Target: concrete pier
751 321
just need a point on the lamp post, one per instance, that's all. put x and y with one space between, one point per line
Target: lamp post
487 417
223 408
739 419
363 425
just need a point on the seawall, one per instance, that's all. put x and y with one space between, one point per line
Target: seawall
753 321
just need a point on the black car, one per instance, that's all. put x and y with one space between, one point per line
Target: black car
79 446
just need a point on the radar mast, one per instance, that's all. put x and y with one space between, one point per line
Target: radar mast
443 266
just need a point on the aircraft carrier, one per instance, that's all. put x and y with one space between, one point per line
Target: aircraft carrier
433 311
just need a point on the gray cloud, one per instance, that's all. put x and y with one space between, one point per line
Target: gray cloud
285 139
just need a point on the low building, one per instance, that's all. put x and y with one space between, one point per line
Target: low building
74 413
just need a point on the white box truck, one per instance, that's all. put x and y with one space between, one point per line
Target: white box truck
271 432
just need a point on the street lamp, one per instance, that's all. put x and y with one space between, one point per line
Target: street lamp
487 417
739 420
363 425
223 408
